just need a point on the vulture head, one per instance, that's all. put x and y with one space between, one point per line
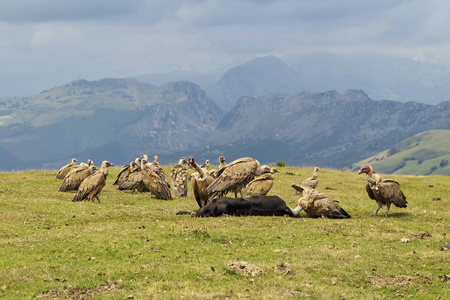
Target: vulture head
106 164
222 159
74 160
366 169
182 161
264 169
137 160
191 161
144 157
90 162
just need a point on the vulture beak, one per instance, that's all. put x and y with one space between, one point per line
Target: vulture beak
360 171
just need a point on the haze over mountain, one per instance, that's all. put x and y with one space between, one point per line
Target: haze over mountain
381 77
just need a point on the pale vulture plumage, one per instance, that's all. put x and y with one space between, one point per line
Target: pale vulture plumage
235 175
66 169
317 204
178 178
311 181
200 180
75 177
151 179
259 186
383 191
93 184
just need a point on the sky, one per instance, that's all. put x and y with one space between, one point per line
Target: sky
47 43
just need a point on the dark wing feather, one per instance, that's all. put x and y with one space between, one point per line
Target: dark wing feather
234 174
134 181
370 192
91 184
390 190
122 175
65 170
75 177
156 182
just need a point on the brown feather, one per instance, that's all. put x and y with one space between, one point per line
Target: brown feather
259 186
66 169
317 204
178 178
93 184
73 180
384 191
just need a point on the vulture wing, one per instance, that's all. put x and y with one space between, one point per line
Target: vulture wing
178 180
259 186
122 175
73 180
156 182
232 175
64 171
311 182
134 181
329 208
370 192
90 187
390 190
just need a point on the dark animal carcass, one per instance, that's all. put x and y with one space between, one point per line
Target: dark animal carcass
253 206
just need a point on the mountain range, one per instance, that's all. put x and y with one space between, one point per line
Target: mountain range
258 109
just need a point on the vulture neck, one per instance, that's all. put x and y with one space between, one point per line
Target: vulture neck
297 211
199 170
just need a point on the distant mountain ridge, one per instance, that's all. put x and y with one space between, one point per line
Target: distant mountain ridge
119 119
382 77
114 119
326 129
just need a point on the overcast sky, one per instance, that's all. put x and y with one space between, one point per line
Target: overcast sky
46 43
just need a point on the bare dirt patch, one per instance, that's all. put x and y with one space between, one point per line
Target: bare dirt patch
82 294
380 281
243 268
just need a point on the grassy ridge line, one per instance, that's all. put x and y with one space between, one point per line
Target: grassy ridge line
421 154
131 244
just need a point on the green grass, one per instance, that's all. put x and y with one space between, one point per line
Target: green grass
133 245
421 154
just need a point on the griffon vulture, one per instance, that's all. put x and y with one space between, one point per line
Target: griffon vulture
93 184
259 186
150 179
75 177
383 191
66 169
317 204
235 175
200 180
178 178
311 181
126 170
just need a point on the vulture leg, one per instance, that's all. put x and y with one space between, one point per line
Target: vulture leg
388 206
376 212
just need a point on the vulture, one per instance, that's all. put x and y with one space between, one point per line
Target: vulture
317 204
93 184
200 180
155 161
311 181
75 177
66 169
383 191
235 175
151 179
222 162
178 178
126 170
259 186
206 164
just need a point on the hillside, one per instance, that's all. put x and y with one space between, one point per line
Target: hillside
426 153
324 129
116 118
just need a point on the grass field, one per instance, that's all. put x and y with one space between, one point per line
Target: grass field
131 246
